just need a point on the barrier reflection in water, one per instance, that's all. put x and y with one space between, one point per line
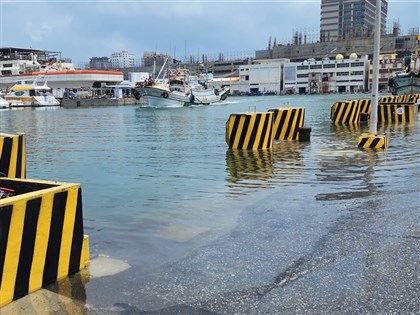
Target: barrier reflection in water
249 165
251 169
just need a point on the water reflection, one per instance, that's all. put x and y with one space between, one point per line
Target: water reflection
255 169
249 168
350 172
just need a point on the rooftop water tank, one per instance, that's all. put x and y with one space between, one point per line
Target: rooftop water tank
339 57
353 56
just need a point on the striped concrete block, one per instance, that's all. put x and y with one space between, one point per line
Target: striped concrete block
287 122
373 141
41 236
346 112
398 113
250 131
13 155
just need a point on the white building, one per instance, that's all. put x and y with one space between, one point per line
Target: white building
327 76
122 60
261 77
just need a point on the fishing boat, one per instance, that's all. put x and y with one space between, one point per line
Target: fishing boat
29 93
407 81
180 89
3 103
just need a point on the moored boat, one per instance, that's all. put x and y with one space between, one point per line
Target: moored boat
28 93
181 89
407 81
3 103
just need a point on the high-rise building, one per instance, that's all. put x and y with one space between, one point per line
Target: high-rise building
341 19
122 60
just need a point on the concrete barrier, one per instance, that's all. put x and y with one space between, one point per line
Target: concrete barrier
286 122
346 112
13 155
400 108
398 112
41 236
373 141
250 131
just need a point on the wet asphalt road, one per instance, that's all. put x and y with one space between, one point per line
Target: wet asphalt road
303 252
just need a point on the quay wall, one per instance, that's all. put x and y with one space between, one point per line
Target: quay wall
89 102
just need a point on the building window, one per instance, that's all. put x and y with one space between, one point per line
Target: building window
302 67
342 65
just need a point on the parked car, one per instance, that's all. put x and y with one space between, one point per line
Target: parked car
69 95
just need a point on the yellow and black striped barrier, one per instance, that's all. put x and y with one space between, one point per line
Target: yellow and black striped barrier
250 131
13 155
398 113
41 239
346 112
373 141
400 108
409 98
287 121
67 296
365 105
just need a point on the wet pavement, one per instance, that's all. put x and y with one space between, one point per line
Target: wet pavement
351 257
348 256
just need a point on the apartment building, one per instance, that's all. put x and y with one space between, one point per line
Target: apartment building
341 19
327 76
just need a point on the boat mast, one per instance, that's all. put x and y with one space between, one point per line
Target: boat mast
373 129
166 60
416 55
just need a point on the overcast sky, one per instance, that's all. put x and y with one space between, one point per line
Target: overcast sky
82 29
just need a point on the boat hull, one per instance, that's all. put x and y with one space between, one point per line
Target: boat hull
161 97
36 101
405 84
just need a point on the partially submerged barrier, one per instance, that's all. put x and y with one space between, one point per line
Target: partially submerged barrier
345 112
12 155
373 141
41 236
397 113
287 121
401 108
250 131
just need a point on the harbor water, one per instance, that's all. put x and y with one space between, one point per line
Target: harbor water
201 229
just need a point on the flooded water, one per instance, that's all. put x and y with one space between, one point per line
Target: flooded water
159 183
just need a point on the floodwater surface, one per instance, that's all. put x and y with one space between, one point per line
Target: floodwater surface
164 196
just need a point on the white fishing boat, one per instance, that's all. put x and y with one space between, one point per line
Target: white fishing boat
181 89
4 103
29 93
407 81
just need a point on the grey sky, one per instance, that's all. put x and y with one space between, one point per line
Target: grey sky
82 29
